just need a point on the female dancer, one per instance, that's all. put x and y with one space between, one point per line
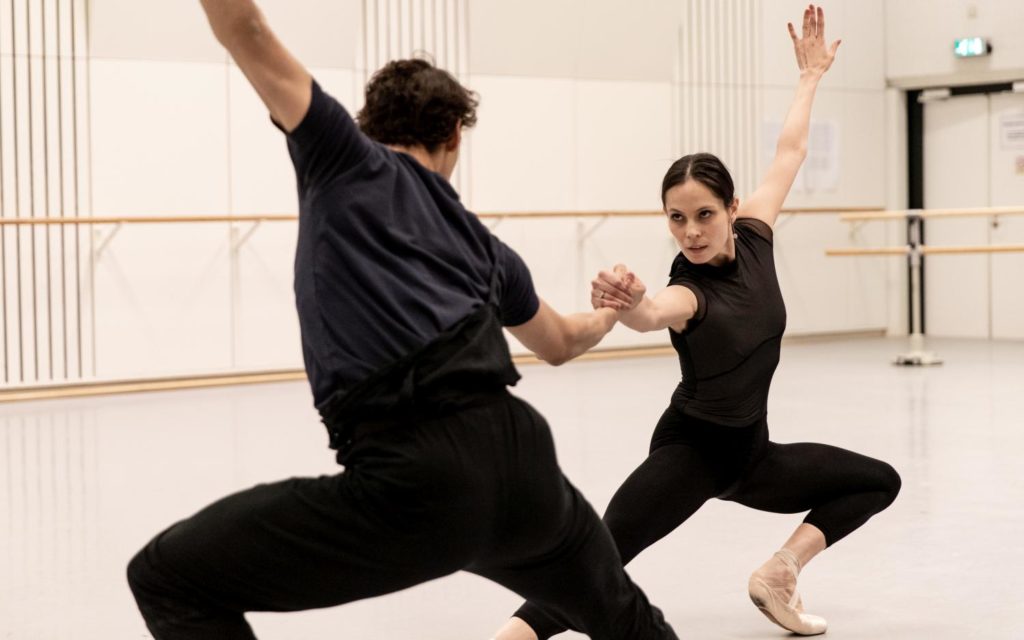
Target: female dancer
726 318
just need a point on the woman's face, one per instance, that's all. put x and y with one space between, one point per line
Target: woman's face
701 223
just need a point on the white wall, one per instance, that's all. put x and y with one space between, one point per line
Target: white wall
591 114
581 110
45 327
919 37
825 294
178 131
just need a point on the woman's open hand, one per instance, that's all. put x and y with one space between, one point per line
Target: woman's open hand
811 54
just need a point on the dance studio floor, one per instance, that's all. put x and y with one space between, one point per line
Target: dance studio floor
86 482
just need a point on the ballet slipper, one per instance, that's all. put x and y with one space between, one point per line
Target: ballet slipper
770 598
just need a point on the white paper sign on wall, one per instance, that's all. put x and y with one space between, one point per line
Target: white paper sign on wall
1011 131
821 170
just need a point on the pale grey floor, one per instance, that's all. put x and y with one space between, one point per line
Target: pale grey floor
84 483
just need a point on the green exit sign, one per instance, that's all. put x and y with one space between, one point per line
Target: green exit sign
971 47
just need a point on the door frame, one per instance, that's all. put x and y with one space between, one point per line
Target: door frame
915 100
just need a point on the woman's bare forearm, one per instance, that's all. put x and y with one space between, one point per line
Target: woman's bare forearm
644 317
796 127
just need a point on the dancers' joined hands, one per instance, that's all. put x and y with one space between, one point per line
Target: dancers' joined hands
618 289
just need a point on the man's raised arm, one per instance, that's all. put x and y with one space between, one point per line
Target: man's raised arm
281 81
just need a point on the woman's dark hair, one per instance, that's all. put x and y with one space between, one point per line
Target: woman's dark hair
706 169
412 102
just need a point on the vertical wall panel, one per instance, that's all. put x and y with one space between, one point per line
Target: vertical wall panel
7 183
437 29
1006 179
957 287
40 142
395 29
719 74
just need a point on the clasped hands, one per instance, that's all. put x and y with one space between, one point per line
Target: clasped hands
618 289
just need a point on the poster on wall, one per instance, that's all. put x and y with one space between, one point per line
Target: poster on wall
821 170
1011 131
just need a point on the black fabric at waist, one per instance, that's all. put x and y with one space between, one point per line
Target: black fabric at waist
344 434
466 365
344 419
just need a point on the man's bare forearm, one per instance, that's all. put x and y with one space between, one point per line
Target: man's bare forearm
229 18
587 330
279 79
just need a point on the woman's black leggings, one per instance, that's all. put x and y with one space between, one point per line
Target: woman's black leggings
692 461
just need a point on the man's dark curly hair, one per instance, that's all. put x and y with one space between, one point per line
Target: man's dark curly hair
412 102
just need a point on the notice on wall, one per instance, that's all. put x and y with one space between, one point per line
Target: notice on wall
821 170
1011 131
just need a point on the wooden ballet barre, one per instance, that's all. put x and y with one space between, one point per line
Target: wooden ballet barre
630 214
902 251
868 251
997 248
117 387
570 214
931 213
288 217
146 220
841 210
914 253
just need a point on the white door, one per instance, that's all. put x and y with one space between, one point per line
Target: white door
956 175
1007 189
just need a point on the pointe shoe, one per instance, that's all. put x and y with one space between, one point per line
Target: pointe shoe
771 600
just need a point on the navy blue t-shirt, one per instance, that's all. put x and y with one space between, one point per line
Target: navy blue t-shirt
387 256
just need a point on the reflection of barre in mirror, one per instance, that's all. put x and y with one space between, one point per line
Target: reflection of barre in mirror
914 250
